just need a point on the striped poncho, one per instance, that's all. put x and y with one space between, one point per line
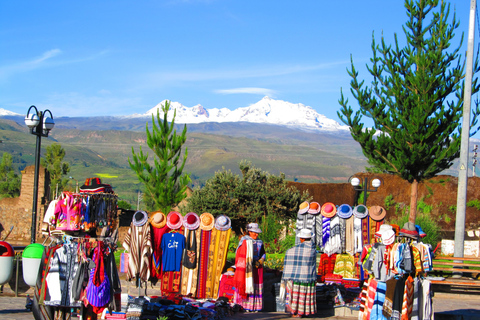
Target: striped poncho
300 263
138 242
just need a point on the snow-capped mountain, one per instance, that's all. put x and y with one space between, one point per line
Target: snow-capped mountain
4 112
266 110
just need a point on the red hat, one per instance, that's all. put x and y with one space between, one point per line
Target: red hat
174 220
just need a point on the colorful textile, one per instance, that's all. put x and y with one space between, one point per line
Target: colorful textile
371 292
216 262
301 298
389 294
319 231
377 309
334 242
407 305
227 286
325 230
365 231
156 265
326 265
203 263
363 301
357 235
138 243
300 263
349 235
343 232
170 282
345 266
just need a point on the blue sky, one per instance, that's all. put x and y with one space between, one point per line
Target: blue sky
91 58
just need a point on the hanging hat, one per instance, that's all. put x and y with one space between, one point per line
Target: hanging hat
174 220
383 228
191 221
329 210
207 221
305 234
223 223
377 213
409 230
360 211
388 237
253 227
158 219
314 208
344 211
139 218
304 206
420 231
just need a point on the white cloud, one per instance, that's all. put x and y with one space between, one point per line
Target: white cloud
260 91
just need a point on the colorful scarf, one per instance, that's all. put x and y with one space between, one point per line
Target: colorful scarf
240 269
249 268
325 230
203 263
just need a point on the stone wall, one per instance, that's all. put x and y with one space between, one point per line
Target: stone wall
17 212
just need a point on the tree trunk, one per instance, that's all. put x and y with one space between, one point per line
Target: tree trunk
413 201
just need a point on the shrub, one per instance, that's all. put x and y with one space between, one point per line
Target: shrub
428 224
474 204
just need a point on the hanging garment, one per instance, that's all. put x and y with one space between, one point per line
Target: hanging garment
319 231
203 263
98 287
217 257
138 242
190 276
344 266
357 235
389 294
377 308
172 250
350 235
156 265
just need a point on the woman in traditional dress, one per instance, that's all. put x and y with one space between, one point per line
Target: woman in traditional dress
249 259
300 275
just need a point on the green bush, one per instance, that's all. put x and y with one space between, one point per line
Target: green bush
389 202
474 204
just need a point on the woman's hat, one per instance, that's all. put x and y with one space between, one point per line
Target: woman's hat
223 223
314 208
253 227
329 210
207 221
383 228
409 230
174 220
191 221
158 219
304 206
377 213
139 218
344 211
388 237
305 234
360 211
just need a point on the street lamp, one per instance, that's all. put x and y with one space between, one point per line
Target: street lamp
76 188
40 125
359 185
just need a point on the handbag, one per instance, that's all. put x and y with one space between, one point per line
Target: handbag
190 252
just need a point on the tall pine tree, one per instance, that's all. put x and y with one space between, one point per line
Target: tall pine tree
165 186
56 167
415 99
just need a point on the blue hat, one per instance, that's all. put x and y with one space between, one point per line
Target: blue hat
344 211
420 231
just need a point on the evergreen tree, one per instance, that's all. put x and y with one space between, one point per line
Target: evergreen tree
55 166
415 99
255 196
10 182
164 184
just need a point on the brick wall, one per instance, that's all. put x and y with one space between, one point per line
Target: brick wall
17 212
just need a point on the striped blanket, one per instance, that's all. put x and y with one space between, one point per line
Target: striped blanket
300 263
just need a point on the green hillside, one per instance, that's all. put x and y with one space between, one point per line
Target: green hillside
302 156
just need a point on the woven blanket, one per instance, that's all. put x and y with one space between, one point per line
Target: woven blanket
300 263
203 263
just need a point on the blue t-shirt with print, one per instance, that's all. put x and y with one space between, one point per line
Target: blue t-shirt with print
172 251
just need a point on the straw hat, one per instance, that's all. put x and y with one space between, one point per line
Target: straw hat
207 221
158 219
191 221
304 206
377 213
329 210
314 208
344 211
174 220
360 211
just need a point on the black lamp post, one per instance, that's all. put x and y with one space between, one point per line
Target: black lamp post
40 125
359 185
